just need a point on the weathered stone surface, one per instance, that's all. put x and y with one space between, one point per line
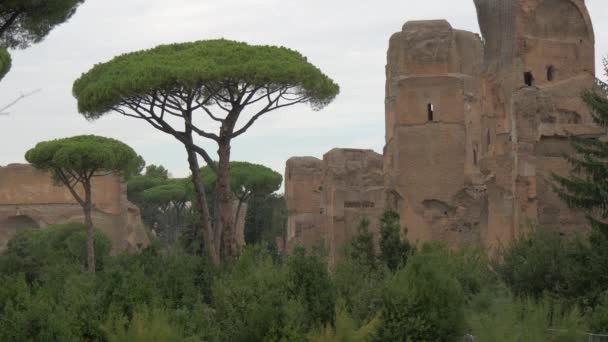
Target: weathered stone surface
353 190
432 152
303 177
328 199
29 199
474 130
481 173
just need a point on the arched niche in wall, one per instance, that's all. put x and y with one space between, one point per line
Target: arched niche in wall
559 20
18 223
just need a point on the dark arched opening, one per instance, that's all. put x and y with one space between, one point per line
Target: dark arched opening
430 112
550 73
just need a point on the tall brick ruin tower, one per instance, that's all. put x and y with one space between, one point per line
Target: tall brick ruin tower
476 127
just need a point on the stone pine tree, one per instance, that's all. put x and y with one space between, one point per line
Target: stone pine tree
76 161
5 63
25 22
586 188
157 171
170 203
187 89
246 180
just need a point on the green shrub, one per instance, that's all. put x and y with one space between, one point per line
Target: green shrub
546 262
67 311
393 249
309 282
250 299
346 330
32 252
147 325
471 267
599 316
424 301
509 319
359 278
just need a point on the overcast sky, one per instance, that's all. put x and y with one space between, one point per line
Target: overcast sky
347 39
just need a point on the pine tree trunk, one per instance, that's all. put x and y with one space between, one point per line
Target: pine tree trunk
88 222
225 197
203 209
217 222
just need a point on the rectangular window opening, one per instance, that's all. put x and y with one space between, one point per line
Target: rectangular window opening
528 78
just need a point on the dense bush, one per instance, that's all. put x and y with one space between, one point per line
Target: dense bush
393 249
359 277
435 294
34 252
599 316
265 220
547 263
251 301
309 283
423 301
511 319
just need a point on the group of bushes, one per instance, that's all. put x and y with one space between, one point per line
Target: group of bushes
543 287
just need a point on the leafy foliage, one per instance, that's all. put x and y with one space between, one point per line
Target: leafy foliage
586 188
346 330
207 77
174 191
362 247
309 282
32 253
138 184
169 208
25 22
393 249
200 65
172 296
359 278
85 155
156 171
266 219
252 300
423 301
147 325
75 161
547 263
599 316
246 179
5 62
509 319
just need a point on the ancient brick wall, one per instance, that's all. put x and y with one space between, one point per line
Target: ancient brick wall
327 199
30 199
475 127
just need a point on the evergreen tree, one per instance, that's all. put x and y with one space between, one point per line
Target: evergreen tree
586 188
75 162
171 87
362 246
393 250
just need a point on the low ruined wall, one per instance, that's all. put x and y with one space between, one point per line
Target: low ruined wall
30 199
327 199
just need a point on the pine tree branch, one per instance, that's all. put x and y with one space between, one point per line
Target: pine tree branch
18 99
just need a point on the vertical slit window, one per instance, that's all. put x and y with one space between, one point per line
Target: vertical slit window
550 73
528 78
